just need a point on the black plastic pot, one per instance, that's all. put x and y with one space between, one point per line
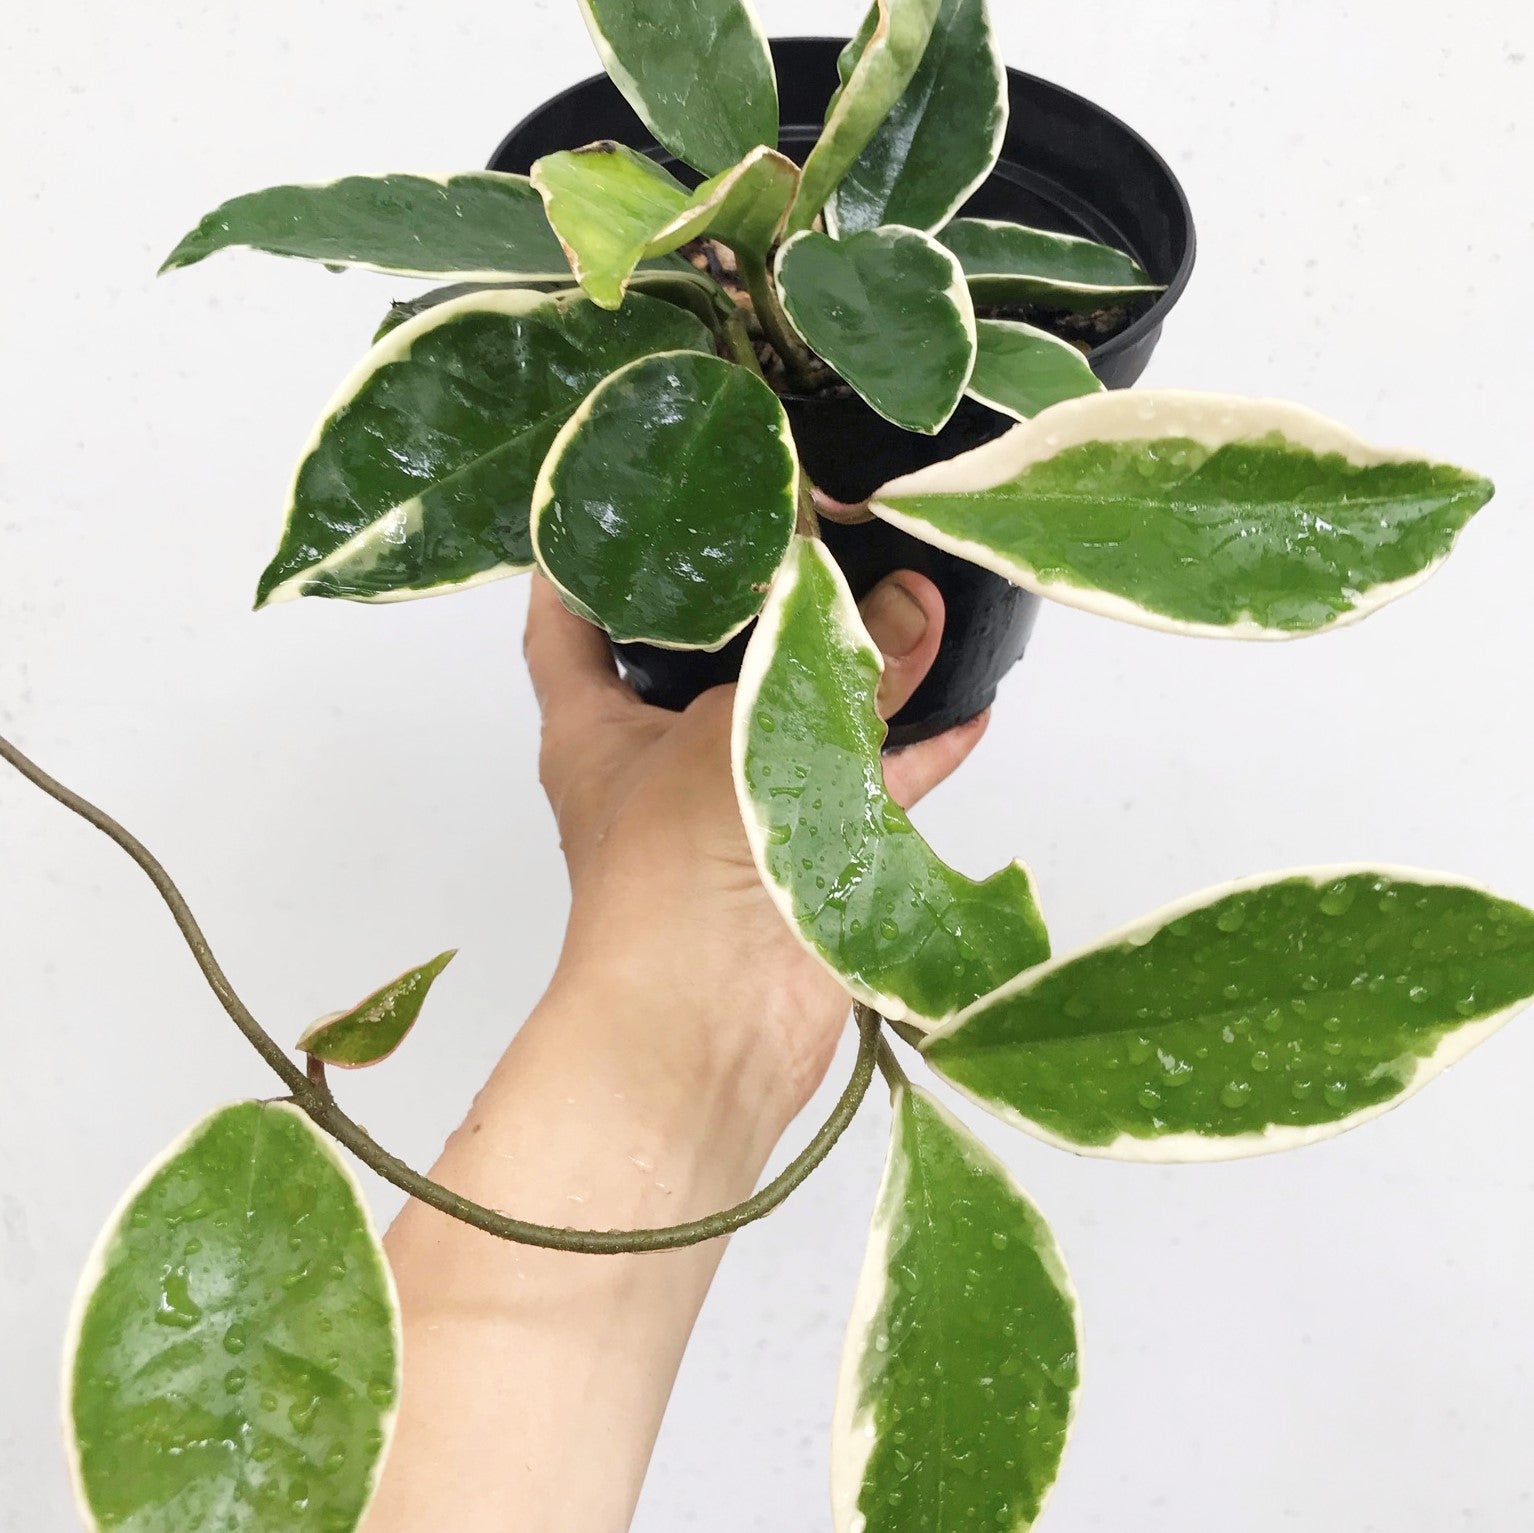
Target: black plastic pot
1067 165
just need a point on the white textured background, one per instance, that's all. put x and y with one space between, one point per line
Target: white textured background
1339 1341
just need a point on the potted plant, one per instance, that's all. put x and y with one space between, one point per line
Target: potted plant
634 433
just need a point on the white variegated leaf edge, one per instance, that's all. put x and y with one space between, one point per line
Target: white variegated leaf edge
957 293
1125 415
1033 333
853 1433
758 659
96 1265
998 69
1194 1148
397 522
1107 289
543 494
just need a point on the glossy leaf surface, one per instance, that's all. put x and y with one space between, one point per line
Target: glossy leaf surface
1195 513
698 73
372 1029
1020 370
1248 1019
419 477
1008 265
941 138
889 311
875 68
668 501
902 930
235 1353
478 226
960 1368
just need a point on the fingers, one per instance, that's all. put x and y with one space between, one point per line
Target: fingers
904 617
569 660
914 772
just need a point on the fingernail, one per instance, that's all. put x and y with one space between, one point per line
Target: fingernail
894 618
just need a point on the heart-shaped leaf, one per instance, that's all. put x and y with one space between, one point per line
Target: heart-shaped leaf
668 500
234 1356
1247 1019
1194 513
888 310
1008 265
475 227
698 72
875 68
940 140
1020 370
372 1029
960 1369
903 931
419 477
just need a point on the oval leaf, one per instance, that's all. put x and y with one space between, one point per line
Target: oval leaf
419 477
1193 513
698 73
1247 1019
668 500
875 68
903 931
940 140
744 207
234 1357
374 1028
960 1368
1010 265
889 311
473 227
1020 370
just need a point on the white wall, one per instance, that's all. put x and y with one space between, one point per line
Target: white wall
1337 1341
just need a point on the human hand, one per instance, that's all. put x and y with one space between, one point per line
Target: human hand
666 899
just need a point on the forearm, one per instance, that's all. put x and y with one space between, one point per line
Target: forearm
535 1380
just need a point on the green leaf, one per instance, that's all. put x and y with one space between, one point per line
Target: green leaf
1021 371
889 311
1194 513
960 1369
698 73
611 208
234 1355
419 477
375 1027
942 137
904 932
668 500
1247 1019
875 69
473 227
1009 265
403 309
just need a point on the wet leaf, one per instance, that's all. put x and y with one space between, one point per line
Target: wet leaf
376 1026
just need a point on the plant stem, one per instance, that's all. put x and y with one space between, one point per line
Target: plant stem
311 1092
737 340
889 1067
774 322
807 524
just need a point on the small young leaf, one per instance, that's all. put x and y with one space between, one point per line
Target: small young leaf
375 1027
472 228
888 310
1247 1019
903 932
960 1368
1021 371
698 73
419 477
941 138
234 1356
1009 265
744 207
1193 513
668 500
876 68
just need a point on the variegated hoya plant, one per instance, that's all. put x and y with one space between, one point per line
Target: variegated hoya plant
584 399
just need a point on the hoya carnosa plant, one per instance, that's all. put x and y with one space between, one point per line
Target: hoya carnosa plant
594 389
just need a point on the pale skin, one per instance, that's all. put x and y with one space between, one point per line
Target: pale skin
684 1029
